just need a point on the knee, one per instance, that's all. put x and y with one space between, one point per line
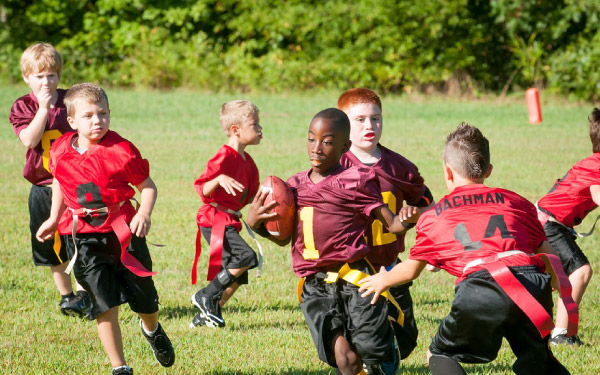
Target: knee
346 358
582 275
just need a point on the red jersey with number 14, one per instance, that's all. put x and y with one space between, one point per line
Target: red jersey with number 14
400 181
477 221
100 177
331 218
570 199
23 111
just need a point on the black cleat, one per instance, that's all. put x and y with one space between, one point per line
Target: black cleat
75 305
161 346
198 321
209 309
123 370
562 339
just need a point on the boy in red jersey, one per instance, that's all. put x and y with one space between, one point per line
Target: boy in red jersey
38 119
334 206
486 237
229 182
93 172
400 181
565 206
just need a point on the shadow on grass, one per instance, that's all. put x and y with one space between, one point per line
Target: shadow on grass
411 369
190 310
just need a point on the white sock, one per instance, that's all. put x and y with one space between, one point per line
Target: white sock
559 331
151 333
122 367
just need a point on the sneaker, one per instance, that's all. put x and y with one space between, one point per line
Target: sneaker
209 309
562 339
74 305
161 346
198 321
123 370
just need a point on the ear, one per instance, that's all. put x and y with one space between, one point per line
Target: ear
25 78
346 146
489 171
448 173
234 130
71 122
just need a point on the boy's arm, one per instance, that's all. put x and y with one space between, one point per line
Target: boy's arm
48 227
595 192
32 134
258 213
402 273
140 224
230 185
400 223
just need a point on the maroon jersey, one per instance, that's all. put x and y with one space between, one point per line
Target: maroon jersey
229 162
332 217
101 177
476 221
570 200
22 113
400 181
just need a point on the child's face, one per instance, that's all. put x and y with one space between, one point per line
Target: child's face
42 81
91 121
250 132
366 124
325 146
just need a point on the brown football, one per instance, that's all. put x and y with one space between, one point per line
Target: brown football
283 224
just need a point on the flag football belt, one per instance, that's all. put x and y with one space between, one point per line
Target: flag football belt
543 217
523 299
217 233
353 276
121 229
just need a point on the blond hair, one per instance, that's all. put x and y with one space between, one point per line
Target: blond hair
41 57
235 112
84 92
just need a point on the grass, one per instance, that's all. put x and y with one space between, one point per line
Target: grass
265 333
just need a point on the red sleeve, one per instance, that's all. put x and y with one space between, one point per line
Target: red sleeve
136 168
214 167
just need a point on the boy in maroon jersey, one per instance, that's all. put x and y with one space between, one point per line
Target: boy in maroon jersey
565 206
400 181
334 206
487 238
229 182
93 172
38 119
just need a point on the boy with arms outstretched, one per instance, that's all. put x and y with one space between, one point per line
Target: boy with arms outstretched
487 238
400 182
229 182
565 206
334 206
93 170
38 119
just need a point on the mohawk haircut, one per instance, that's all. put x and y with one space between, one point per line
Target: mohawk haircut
468 152
358 96
84 92
594 119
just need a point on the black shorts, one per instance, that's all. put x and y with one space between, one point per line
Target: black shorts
563 241
482 314
99 270
51 252
236 252
407 334
330 308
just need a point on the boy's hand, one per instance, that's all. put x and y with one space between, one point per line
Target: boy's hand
373 285
140 224
230 185
257 213
409 214
44 98
46 230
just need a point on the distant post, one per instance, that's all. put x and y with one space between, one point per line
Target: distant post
533 106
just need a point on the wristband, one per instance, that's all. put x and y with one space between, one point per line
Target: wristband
262 231
408 225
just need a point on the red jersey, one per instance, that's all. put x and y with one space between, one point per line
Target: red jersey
570 200
101 177
332 217
22 113
400 181
229 162
476 221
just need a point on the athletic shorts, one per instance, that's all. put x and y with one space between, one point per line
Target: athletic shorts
407 334
338 307
99 270
51 252
482 314
562 240
236 252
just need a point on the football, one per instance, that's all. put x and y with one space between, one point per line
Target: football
282 225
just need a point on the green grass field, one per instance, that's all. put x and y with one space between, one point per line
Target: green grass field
265 333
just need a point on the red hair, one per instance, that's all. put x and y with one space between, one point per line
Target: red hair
358 96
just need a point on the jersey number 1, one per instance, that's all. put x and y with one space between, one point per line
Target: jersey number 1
379 237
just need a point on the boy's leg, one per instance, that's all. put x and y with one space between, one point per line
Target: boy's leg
346 358
61 279
110 336
158 339
442 365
